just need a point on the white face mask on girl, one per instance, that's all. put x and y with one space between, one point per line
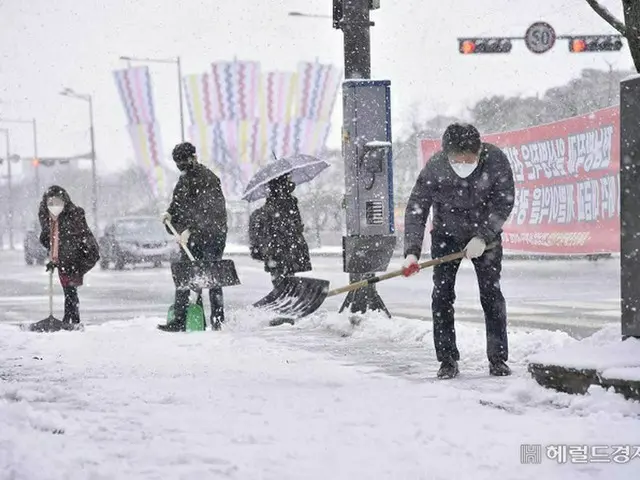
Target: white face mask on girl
463 170
55 210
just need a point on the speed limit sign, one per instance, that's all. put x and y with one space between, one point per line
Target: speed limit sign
540 37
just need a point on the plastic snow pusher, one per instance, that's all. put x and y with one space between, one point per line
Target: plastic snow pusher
197 275
296 297
51 323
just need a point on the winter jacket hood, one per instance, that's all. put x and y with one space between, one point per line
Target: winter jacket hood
78 249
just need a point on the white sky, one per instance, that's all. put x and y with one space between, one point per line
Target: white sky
48 45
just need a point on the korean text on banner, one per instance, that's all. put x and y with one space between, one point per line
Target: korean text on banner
567 184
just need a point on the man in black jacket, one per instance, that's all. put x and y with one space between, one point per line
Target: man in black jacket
469 185
198 212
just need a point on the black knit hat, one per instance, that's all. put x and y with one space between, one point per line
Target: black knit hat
183 152
461 138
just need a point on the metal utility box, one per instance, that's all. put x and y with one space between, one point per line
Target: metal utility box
367 152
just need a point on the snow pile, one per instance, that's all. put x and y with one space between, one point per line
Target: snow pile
604 352
318 400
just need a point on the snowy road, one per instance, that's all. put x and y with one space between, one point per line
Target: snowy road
575 296
318 400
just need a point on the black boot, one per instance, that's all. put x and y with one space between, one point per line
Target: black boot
217 308
448 369
173 327
180 306
71 306
498 368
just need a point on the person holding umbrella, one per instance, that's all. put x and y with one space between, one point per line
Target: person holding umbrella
276 230
73 249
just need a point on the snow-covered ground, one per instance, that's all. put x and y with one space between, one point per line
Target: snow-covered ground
320 400
604 352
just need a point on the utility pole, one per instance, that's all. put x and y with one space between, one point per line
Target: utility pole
36 166
35 147
366 146
10 187
94 175
67 92
355 26
178 62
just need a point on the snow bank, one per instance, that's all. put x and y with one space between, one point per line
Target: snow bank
603 351
318 400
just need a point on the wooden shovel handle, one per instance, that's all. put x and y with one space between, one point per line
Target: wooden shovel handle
177 235
386 276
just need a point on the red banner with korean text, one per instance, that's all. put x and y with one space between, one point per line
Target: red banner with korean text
567 184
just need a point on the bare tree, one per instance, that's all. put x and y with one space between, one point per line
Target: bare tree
630 29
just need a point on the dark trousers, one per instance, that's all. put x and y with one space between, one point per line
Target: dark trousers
488 268
215 299
207 251
71 305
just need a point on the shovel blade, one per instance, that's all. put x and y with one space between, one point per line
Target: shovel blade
295 297
50 324
199 275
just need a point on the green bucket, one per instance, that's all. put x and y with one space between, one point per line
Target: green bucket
195 317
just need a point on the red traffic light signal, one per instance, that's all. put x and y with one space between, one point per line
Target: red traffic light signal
595 43
484 45
467 46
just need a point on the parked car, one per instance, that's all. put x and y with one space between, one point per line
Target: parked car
133 240
34 252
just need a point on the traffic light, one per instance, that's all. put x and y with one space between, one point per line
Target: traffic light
484 45
35 162
595 43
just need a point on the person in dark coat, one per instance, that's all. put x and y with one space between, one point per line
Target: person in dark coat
73 249
198 212
469 185
276 232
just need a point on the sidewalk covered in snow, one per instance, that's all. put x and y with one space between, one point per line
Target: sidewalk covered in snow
318 400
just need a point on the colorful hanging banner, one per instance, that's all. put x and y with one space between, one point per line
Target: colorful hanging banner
134 87
240 117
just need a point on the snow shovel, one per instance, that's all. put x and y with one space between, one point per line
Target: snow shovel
197 275
296 297
51 323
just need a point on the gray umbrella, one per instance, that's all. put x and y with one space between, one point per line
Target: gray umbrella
303 168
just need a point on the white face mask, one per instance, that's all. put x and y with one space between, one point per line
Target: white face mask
463 170
55 210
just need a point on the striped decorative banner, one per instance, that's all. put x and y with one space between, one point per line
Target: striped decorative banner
241 117
145 139
234 90
317 90
134 87
202 111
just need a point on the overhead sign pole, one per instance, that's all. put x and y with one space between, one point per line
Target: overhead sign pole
539 38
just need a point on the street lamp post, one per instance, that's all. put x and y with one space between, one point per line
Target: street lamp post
67 92
10 187
308 15
35 145
178 64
